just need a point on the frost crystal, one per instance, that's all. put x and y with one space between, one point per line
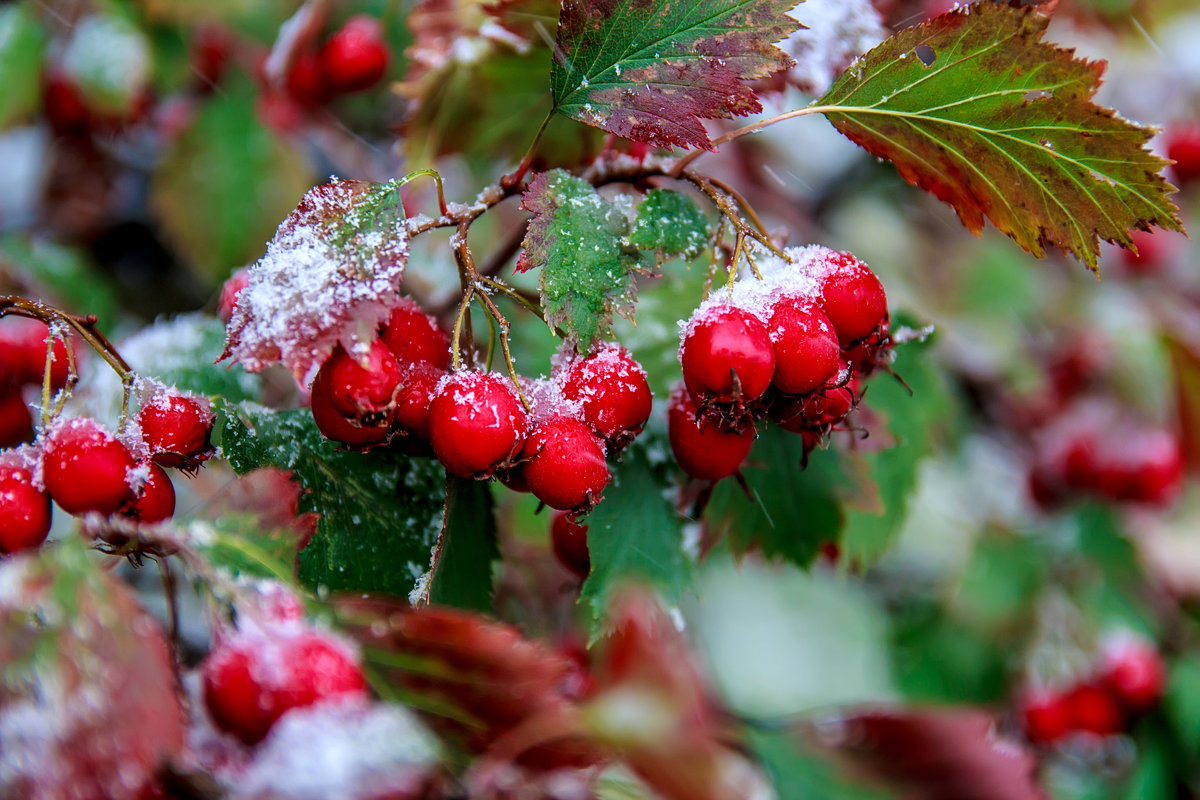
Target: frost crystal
838 32
331 275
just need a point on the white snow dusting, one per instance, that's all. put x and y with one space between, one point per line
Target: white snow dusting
838 32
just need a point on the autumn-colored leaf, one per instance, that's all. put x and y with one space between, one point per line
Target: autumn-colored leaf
652 70
974 107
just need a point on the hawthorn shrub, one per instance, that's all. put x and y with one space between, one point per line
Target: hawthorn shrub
597 428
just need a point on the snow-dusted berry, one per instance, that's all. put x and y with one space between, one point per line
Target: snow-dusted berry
85 468
806 345
24 510
568 538
612 390
156 500
356 56
176 428
727 355
333 425
564 466
250 681
476 423
852 297
703 449
414 336
363 388
413 397
1133 671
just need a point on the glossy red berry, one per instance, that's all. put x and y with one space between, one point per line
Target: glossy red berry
250 682
24 510
806 345
156 501
413 398
1183 147
1133 671
356 56
852 297
612 390
176 428
333 425
305 81
1095 710
564 466
723 342
569 540
363 387
1045 716
85 468
476 423
16 420
23 354
230 291
414 336
704 451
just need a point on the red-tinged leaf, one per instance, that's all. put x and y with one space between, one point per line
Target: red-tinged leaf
331 275
940 755
974 107
652 70
89 707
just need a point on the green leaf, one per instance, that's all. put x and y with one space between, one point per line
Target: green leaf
380 511
1182 704
635 535
108 59
790 511
67 275
180 352
799 772
651 70
223 187
576 237
461 572
975 108
21 43
670 224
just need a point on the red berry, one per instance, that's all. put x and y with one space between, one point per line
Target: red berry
1183 147
612 389
211 50
565 467
704 451
414 336
413 397
1145 467
363 388
23 354
1133 671
1045 716
251 681
1154 251
85 468
356 56
806 345
230 290
305 81
24 510
852 297
176 428
157 499
476 423
333 425
64 106
1093 709
721 342
16 420
569 540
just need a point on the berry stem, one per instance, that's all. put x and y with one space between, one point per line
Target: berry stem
724 204
515 177
754 127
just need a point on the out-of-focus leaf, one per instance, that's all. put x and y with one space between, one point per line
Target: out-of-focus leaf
669 224
21 43
66 274
1182 703
652 70
380 511
461 572
226 183
576 238
89 706
108 60
974 107
799 772
939 658
180 352
634 535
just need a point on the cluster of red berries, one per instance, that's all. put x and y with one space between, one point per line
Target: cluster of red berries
256 675
1127 682
354 57
790 346
84 468
548 437
1093 449
22 363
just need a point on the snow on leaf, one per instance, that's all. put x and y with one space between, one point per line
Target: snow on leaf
576 237
834 33
331 275
652 70
975 108
669 224
88 702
